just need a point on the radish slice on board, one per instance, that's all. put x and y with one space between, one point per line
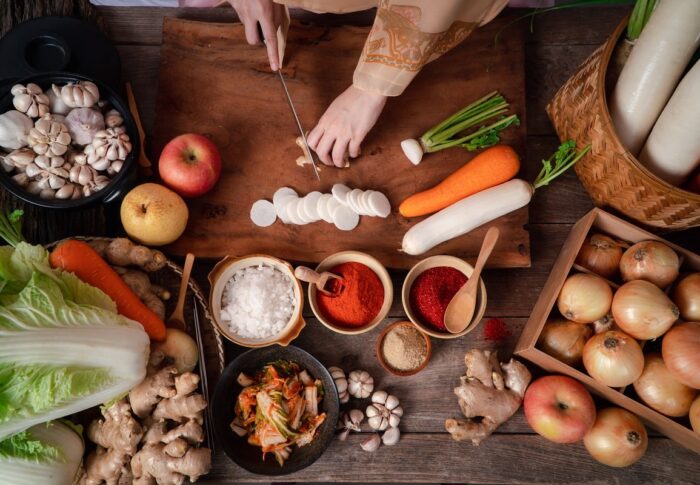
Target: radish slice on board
333 204
653 69
364 203
324 208
340 192
291 210
380 204
283 210
263 213
345 219
353 200
310 202
301 213
281 193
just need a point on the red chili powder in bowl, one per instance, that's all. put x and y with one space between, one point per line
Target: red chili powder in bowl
360 299
432 291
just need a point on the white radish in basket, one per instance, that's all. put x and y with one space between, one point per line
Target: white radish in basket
672 150
487 205
653 69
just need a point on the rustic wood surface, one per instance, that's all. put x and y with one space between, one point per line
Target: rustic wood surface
211 79
560 42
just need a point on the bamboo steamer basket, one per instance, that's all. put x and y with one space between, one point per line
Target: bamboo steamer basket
610 173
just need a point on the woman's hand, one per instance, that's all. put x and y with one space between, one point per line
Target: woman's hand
345 124
269 15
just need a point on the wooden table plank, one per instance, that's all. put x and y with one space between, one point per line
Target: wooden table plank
511 459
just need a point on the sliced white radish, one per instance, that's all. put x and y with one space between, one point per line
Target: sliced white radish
380 204
353 200
340 192
345 218
364 204
310 202
281 193
283 210
324 208
333 204
262 213
291 210
301 213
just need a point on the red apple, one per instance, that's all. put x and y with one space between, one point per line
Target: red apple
190 165
559 408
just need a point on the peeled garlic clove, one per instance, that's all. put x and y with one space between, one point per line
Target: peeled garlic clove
391 436
372 443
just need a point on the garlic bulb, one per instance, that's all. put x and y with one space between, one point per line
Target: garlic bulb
384 412
112 144
49 138
95 185
82 174
14 129
113 118
360 384
83 94
56 104
83 124
30 99
341 382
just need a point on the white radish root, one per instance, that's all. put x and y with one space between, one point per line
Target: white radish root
262 213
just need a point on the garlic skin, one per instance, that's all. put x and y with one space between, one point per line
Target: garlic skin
338 375
360 384
83 124
113 118
14 130
83 94
56 104
391 436
372 443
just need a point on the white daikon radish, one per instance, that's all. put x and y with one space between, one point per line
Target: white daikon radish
672 150
653 69
340 192
345 219
466 215
380 204
311 205
263 213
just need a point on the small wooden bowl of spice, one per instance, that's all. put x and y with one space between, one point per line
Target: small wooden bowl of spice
403 349
362 299
428 289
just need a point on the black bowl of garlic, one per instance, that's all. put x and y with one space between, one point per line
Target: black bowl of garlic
66 141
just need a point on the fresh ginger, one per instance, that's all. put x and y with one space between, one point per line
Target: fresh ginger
118 430
184 405
105 466
152 463
122 252
489 394
140 284
145 396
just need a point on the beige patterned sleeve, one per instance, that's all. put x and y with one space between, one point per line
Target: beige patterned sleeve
407 34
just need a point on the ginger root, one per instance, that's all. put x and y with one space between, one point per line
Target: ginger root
153 464
140 284
122 252
145 396
103 466
489 394
184 405
118 431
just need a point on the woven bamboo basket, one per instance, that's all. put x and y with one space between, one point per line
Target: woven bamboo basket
612 176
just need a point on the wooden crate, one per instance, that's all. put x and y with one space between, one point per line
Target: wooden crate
526 347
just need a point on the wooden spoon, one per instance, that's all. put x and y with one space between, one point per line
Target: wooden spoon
144 162
177 319
460 311
320 280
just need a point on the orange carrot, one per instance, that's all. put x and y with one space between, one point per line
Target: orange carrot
489 168
79 258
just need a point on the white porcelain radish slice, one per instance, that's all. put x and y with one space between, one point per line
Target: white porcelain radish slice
324 208
333 204
353 200
291 210
364 204
301 213
282 193
340 192
345 219
380 204
262 213
311 205
283 210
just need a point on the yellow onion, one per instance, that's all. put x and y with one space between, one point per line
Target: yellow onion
613 358
687 297
564 340
618 438
661 391
651 261
681 352
642 310
584 298
694 415
600 254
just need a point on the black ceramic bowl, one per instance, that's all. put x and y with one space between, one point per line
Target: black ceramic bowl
119 185
224 400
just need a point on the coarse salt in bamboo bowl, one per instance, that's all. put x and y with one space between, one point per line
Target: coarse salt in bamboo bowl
378 269
610 173
222 273
434 262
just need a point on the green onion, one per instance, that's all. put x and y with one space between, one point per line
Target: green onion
563 159
639 18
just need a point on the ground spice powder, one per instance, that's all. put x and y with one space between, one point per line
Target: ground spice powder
432 291
360 299
404 348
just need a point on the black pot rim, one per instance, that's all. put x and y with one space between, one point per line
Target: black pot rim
112 190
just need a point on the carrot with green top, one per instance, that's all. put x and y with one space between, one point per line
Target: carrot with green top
80 259
489 168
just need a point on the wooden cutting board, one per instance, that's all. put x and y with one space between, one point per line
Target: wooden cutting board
212 82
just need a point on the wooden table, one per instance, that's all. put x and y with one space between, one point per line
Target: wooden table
560 42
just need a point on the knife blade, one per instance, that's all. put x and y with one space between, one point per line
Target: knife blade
296 119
